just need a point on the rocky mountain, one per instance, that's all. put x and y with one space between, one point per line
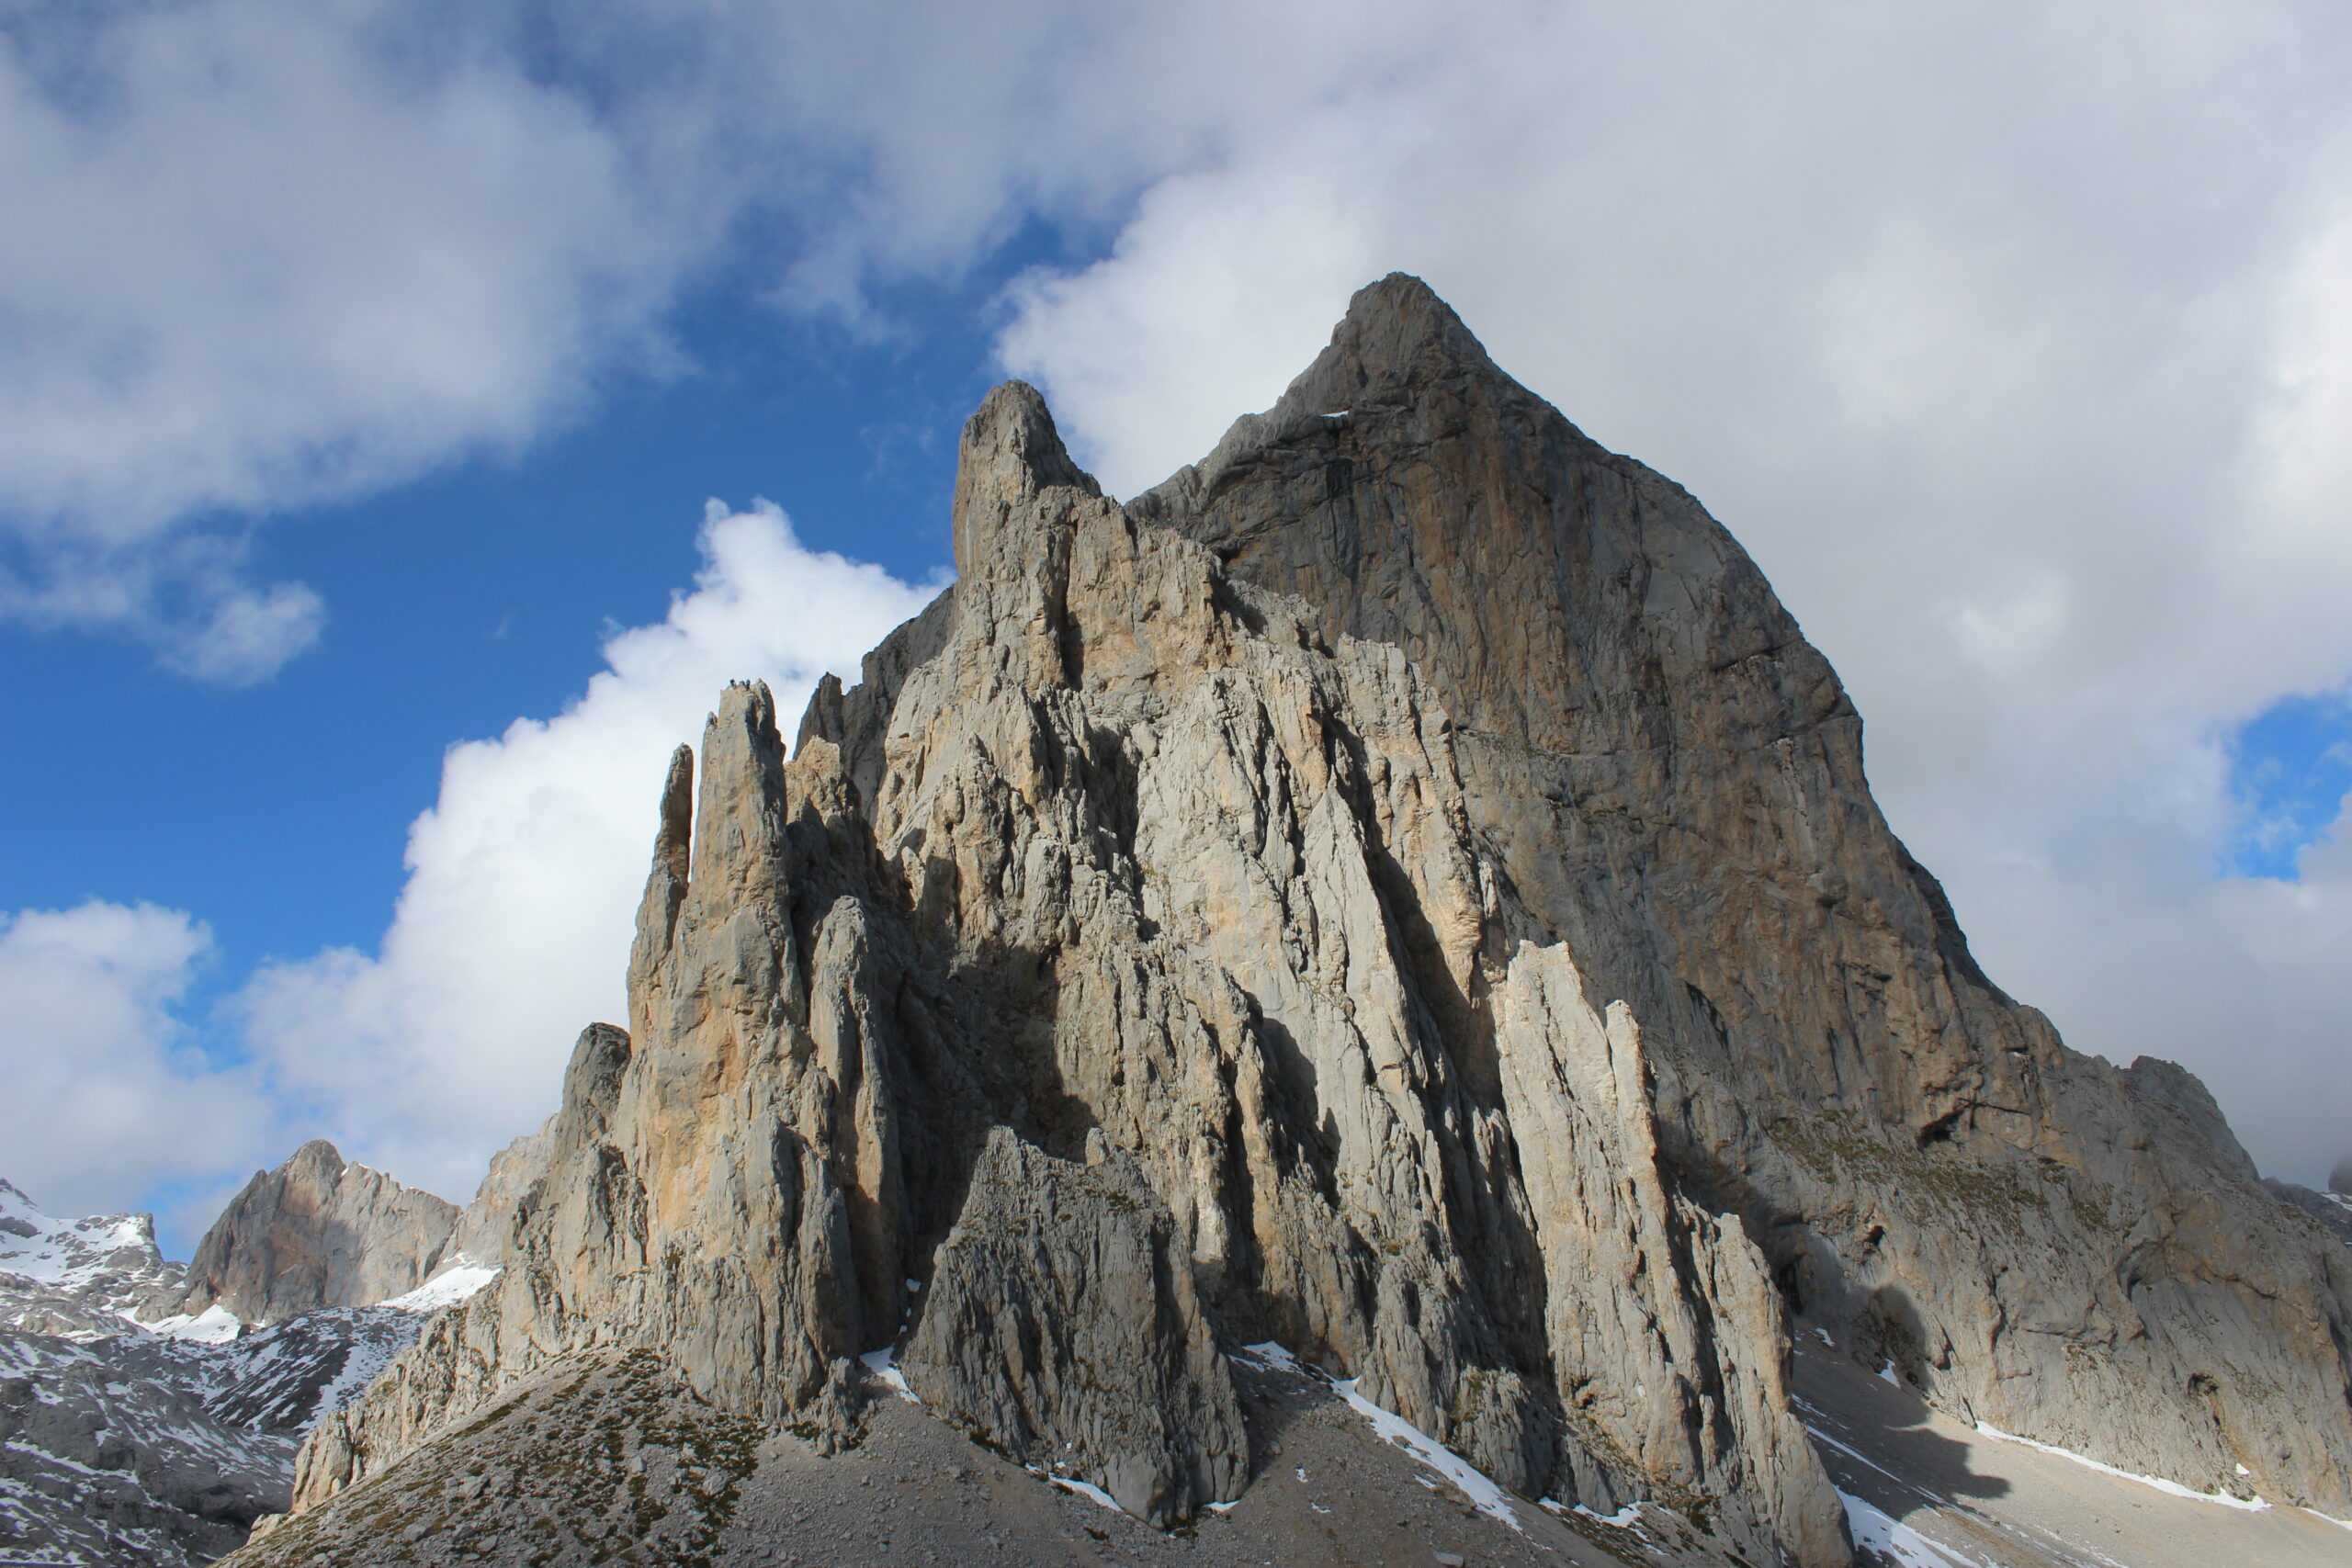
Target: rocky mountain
135 1433
482 1226
78 1278
1396 908
153 1451
318 1232
103 1464
2331 1209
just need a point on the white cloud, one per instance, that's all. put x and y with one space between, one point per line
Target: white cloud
260 254
251 633
513 930
2007 342
2010 340
104 1097
265 254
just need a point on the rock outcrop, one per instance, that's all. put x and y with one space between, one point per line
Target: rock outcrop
1414 859
1062 1327
2332 1209
485 1225
317 1232
103 1466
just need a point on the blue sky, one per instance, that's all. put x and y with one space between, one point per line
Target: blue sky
366 369
2290 768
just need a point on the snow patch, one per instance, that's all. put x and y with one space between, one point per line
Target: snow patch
1483 1494
1893 1539
452 1285
216 1325
884 1364
1085 1489
1886 1375
2172 1488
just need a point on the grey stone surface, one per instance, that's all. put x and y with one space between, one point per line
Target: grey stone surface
102 1466
1061 1327
607 1458
1667 781
146 1451
1417 846
317 1232
486 1224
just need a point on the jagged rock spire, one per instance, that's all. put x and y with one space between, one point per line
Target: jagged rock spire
1435 866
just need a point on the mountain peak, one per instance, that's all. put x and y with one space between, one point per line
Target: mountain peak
1010 452
1344 904
318 1231
1397 333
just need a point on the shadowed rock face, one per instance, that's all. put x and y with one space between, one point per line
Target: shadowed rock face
1668 779
317 1233
1056 1273
1414 859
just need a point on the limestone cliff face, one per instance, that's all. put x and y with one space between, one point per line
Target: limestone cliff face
1669 781
317 1232
1404 889
484 1224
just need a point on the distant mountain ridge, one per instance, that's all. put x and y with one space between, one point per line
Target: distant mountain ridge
318 1232
149 1412
80 1277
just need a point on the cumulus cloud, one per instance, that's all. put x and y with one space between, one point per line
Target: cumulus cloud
262 254
2013 342
513 930
107 1097
2012 347
268 253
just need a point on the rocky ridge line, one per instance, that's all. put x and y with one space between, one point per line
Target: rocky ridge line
1522 1013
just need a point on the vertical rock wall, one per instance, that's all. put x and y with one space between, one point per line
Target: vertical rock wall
1669 780
1482 972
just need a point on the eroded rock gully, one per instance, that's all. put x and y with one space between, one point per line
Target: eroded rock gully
1403 888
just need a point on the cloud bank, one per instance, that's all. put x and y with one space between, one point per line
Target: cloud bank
271 253
106 1098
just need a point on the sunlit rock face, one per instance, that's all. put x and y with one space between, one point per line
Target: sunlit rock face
318 1232
1404 889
